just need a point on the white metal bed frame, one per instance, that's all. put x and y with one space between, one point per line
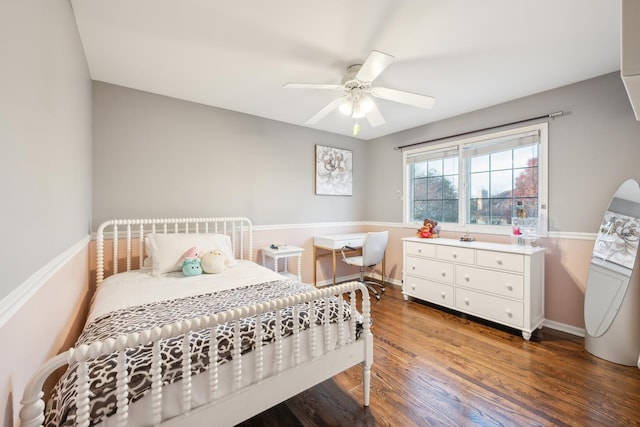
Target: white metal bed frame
244 401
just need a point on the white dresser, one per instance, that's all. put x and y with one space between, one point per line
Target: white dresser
496 282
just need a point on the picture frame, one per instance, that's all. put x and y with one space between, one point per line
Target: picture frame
334 171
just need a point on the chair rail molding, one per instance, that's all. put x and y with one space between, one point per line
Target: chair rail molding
15 300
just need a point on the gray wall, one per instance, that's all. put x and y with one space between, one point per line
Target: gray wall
593 148
45 137
156 156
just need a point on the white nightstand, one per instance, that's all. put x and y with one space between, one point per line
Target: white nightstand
284 253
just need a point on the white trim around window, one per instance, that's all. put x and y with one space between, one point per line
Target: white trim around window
503 139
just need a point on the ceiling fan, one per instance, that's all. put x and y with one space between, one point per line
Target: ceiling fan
357 99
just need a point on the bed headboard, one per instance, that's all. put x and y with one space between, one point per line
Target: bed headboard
239 229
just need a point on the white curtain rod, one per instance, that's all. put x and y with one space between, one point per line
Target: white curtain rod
546 116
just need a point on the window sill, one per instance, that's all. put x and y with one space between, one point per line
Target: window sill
498 230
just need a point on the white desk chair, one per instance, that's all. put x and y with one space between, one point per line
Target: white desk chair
373 248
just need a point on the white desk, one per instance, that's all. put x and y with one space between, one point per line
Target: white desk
333 243
339 241
284 253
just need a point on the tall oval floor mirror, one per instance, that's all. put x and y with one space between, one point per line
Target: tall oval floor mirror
612 297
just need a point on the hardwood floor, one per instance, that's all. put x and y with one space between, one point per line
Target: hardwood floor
436 368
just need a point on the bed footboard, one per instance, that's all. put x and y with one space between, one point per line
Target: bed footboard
296 363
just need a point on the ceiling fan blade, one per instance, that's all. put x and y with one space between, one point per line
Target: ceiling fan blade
312 86
375 64
422 101
326 110
374 117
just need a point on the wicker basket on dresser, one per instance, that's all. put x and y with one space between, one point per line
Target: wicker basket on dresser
497 282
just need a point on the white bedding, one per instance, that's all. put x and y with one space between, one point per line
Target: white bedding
137 287
245 385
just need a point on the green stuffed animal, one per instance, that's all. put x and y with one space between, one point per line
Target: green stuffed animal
191 267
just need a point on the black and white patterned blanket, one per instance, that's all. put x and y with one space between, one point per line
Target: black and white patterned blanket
61 409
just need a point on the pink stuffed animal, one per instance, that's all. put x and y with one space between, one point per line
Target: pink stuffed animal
190 253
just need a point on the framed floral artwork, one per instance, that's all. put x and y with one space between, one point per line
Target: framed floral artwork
334 171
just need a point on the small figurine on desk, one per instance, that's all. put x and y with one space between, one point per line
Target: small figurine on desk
277 246
429 229
466 237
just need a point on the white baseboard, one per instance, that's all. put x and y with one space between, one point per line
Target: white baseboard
13 302
357 277
340 279
562 327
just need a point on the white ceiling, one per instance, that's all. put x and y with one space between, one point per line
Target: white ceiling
236 55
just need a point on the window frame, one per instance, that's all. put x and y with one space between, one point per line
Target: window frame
463 180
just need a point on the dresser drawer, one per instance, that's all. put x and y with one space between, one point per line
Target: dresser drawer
501 260
420 249
429 269
505 284
490 307
456 254
437 293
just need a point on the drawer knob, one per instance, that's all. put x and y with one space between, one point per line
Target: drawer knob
419 250
499 261
413 287
455 256
466 301
466 277
509 313
509 287
413 267
443 273
443 295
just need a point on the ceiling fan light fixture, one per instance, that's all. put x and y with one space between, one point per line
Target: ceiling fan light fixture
366 104
357 112
346 107
358 93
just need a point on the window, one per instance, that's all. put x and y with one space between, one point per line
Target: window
479 182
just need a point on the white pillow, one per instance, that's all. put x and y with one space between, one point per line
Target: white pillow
166 250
